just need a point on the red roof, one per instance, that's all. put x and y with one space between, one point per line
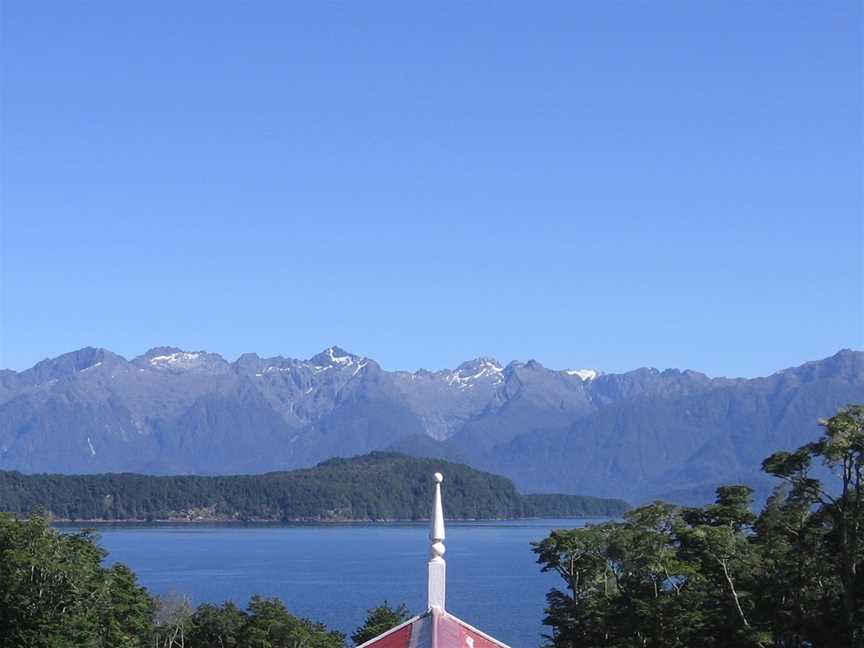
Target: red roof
399 639
435 629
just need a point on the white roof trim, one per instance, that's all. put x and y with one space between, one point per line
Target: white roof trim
410 621
497 642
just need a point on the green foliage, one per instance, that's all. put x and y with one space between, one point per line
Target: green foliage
378 621
270 624
214 625
379 486
827 523
719 576
55 593
266 623
562 506
126 613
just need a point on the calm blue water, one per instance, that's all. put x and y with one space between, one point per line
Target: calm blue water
334 573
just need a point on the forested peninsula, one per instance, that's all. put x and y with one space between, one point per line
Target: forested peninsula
380 486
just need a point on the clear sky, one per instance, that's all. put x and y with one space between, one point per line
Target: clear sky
590 184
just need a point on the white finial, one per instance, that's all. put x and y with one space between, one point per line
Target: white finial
437 566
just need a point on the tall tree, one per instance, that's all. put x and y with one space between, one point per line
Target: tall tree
841 510
173 620
50 585
796 578
643 555
579 615
715 540
378 621
125 610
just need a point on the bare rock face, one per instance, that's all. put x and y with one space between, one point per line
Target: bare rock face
636 435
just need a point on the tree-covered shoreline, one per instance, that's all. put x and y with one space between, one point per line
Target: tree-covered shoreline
382 487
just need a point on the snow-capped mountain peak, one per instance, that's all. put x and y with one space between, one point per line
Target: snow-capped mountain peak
177 360
469 372
333 357
338 356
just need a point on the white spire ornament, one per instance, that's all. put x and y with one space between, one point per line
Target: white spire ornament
436 628
437 566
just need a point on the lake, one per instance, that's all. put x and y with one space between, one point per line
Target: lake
334 573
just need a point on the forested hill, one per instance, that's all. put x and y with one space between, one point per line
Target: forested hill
376 486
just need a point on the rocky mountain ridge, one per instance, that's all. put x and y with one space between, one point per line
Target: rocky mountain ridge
635 435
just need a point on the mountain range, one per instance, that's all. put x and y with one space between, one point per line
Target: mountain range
635 435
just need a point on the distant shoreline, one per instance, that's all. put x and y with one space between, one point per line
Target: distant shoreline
378 487
309 522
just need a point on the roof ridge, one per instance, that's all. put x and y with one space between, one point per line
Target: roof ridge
395 629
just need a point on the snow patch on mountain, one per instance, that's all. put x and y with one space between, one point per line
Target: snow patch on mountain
346 360
179 359
273 369
585 375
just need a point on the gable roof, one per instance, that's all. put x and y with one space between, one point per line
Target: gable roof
435 629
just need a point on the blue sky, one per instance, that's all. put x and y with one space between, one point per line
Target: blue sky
609 185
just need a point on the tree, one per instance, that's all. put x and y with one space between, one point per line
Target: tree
217 626
270 625
841 509
796 579
378 621
643 555
581 614
715 540
173 620
50 585
126 610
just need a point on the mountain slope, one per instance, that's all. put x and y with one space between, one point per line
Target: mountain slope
648 447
